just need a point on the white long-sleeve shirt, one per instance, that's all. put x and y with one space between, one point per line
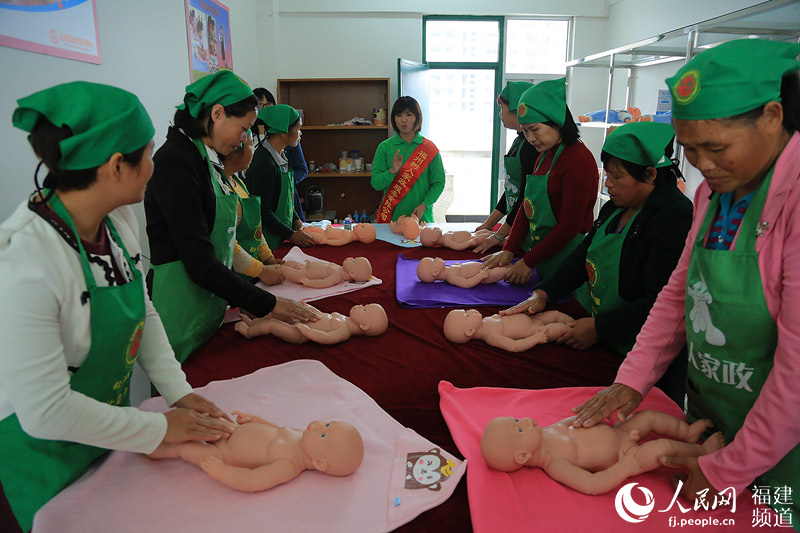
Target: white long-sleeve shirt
44 329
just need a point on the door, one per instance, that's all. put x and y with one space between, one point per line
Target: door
413 80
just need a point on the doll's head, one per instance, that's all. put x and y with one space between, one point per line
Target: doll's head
409 225
370 318
430 269
430 236
509 443
460 325
364 232
335 448
357 269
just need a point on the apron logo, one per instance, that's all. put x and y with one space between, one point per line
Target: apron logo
522 110
591 272
733 373
529 210
700 314
134 344
687 87
257 234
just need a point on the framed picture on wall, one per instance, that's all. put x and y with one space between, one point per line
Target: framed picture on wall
208 29
63 28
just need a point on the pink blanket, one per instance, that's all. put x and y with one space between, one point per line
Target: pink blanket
528 500
129 492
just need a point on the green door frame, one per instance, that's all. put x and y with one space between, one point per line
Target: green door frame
498 82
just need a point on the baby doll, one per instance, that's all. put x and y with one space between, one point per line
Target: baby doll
465 275
369 320
597 459
259 454
615 116
521 333
455 240
322 274
339 236
409 226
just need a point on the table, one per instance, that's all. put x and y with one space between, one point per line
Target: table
401 369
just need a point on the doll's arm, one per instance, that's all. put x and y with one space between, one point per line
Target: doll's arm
458 280
247 418
587 482
339 334
511 345
244 479
453 245
329 281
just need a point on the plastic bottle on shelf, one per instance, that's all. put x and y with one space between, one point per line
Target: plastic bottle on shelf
348 221
364 216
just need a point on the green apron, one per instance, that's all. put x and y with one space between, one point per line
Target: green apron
540 215
602 271
512 166
732 337
33 470
285 209
191 314
248 232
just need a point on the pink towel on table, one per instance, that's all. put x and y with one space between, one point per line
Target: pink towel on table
528 500
129 492
301 293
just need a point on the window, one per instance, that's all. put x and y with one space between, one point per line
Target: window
536 46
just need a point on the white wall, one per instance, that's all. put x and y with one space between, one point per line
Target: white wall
144 50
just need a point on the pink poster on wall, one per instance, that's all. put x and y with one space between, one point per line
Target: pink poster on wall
208 29
63 28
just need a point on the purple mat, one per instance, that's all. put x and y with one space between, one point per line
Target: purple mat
411 292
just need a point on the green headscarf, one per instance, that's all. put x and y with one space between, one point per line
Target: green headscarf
545 101
642 143
732 78
223 87
278 118
104 120
512 91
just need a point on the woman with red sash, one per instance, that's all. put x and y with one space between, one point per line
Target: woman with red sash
407 167
734 297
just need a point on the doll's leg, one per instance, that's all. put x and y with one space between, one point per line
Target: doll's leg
649 453
667 425
192 452
250 328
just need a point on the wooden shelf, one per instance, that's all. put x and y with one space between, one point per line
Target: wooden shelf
344 128
339 174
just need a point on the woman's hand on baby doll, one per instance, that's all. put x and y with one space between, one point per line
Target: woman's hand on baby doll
519 273
687 469
213 466
290 311
581 335
195 402
601 405
532 305
270 276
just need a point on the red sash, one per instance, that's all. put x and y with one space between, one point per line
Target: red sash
406 177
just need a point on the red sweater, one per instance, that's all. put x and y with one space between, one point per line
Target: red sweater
576 173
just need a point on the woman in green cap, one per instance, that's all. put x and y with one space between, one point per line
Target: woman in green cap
191 218
74 313
735 295
630 252
407 167
517 164
271 178
560 193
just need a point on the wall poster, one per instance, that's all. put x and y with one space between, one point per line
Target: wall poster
208 28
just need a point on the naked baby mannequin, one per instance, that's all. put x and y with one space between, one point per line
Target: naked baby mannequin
369 320
465 275
455 240
322 274
331 236
409 226
597 459
460 326
259 455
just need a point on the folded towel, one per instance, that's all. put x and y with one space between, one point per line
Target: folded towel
129 492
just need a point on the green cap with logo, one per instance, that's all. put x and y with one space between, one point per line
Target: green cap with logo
104 120
642 143
278 118
545 101
512 91
732 78
223 87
